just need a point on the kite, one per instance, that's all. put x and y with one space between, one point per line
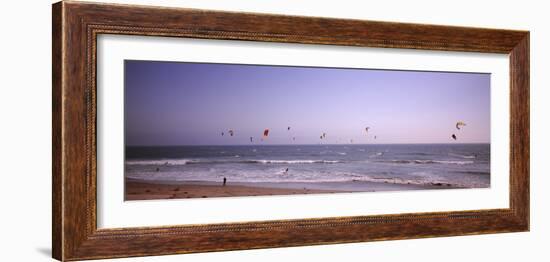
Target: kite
231 132
454 136
459 124
266 132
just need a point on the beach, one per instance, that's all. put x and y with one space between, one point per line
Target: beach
199 171
145 190
277 130
150 190
253 170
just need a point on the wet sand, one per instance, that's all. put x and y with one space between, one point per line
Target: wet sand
148 190
142 190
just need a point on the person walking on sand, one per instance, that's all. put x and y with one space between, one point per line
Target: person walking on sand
224 181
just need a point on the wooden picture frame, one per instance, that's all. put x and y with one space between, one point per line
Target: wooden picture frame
75 28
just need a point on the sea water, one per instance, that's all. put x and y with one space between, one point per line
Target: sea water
457 165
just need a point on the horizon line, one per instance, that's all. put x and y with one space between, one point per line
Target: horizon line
359 144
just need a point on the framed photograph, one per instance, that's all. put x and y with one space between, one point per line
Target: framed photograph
316 140
182 130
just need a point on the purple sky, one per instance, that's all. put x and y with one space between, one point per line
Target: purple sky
172 103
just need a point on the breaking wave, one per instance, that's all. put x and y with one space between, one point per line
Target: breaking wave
462 156
177 162
444 162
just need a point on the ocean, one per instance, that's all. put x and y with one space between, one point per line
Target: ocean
456 165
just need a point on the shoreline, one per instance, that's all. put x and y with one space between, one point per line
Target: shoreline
315 144
150 190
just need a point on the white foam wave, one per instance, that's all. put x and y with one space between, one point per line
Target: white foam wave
376 155
283 177
462 156
296 161
158 162
454 162
168 162
446 162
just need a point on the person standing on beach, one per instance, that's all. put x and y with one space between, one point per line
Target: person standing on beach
224 181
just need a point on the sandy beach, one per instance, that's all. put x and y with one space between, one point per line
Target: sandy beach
159 172
148 190
143 190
